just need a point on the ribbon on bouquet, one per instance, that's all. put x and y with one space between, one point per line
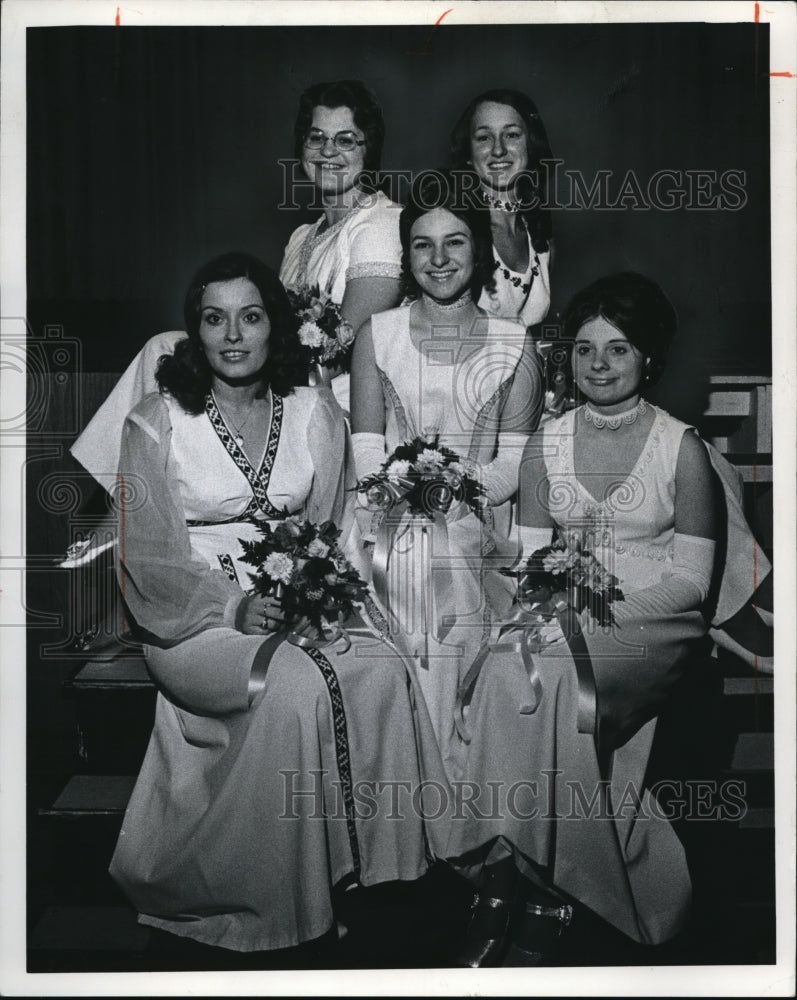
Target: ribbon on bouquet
331 633
520 634
394 506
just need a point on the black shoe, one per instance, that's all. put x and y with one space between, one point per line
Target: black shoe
487 934
537 935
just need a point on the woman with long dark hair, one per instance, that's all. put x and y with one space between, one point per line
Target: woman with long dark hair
244 815
501 142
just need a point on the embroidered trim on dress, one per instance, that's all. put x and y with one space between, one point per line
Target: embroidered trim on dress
228 567
398 406
514 278
245 518
341 749
376 617
314 239
258 481
484 415
374 269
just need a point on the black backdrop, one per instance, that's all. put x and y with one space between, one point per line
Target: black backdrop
151 149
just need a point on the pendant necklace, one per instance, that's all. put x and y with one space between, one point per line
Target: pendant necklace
238 436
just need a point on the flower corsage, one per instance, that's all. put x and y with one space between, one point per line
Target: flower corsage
326 337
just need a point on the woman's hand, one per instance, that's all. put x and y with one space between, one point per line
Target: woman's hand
260 615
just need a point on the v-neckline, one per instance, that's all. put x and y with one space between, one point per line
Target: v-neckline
233 437
631 475
260 477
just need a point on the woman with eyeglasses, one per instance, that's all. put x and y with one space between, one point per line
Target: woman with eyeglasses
352 253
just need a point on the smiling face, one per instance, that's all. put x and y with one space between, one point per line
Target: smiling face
234 329
498 145
328 168
607 368
441 254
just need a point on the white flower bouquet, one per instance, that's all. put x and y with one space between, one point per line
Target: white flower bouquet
302 563
326 338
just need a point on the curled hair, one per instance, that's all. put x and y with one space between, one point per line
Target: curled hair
364 107
636 306
434 189
187 375
532 185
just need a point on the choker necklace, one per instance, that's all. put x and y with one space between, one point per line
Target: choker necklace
465 299
614 420
237 428
500 205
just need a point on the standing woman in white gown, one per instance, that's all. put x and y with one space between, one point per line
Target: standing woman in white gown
352 253
500 137
441 366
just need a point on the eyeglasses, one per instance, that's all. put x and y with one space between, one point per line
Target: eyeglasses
345 142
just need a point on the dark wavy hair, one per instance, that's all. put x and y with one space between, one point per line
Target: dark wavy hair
441 189
533 183
364 106
187 376
636 306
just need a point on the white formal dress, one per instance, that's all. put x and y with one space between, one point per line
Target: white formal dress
221 841
363 244
618 856
457 391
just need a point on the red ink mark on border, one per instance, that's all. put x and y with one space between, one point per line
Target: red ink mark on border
118 19
757 15
426 51
791 76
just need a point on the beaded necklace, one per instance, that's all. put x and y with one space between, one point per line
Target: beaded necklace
614 420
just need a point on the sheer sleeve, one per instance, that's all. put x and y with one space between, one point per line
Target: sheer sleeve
331 496
97 448
170 594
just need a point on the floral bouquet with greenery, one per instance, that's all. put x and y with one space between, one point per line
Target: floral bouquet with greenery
325 337
302 564
425 476
566 571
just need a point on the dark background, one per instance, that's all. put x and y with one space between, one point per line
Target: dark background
152 149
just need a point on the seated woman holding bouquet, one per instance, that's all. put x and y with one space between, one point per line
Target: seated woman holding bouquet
443 399
244 814
560 709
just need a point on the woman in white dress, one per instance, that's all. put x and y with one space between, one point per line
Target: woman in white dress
440 366
639 488
247 809
352 253
500 137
